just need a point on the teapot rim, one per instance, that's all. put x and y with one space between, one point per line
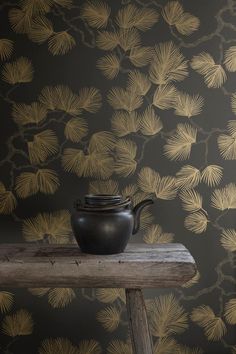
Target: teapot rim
103 195
116 205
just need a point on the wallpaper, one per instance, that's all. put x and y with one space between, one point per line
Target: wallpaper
136 97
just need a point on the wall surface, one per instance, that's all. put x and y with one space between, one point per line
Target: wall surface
133 97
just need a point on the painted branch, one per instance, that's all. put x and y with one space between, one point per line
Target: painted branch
140 335
140 266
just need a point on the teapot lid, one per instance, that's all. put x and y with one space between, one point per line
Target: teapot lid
100 202
102 199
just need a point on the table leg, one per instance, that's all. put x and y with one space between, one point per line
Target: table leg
140 335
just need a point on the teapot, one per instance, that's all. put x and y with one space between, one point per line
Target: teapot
104 223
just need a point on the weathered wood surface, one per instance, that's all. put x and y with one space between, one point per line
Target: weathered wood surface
139 330
140 266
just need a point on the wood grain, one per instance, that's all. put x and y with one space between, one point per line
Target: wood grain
140 266
139 330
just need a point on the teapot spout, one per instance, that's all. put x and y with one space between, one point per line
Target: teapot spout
137 211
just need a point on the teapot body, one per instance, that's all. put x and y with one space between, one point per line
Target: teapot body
106 232
104 223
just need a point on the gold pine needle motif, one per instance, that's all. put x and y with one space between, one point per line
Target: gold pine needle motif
230 311
150 124
196 222
44 180
109 66
166 189
174 15
33 113
214 74
138 82
146 219
110 295
228 240
231 126
89 347
188 177
224 198
6 301
187 105
214 327
38 291
19 71
187 24
102 141
76 129
191 200
230 59
130 190
166 316
61 43
119 347
125 163
72 159
8 201
97 164
165 96
41 30
140 56
36 7
90 99
53 227
121 99
212 175
96 13
155 234
172 12
178 146
109 317
18 324
6 48
141 18
227 146
107 40
62 98
60 297
44 144
20 20
124 123
57 345
126 147
227 142
168 64
166 346
148 180
129 38
57 297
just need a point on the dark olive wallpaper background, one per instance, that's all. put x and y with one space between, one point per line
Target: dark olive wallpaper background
136 97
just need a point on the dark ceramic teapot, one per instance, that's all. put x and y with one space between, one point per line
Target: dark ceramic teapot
104 223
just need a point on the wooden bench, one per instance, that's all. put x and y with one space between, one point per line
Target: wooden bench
140 266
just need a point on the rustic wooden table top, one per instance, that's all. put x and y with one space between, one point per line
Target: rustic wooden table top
140 266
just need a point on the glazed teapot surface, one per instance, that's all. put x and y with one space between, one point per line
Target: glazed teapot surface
104 223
